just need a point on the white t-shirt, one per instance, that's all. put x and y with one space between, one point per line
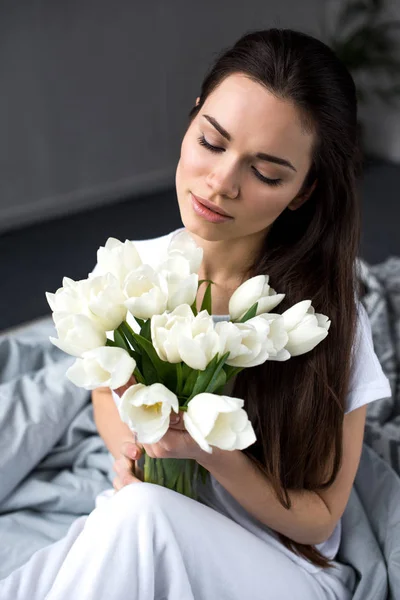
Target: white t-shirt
367 383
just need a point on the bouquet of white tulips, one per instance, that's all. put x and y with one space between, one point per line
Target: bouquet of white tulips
131 318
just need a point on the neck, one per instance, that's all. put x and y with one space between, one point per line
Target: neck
227 262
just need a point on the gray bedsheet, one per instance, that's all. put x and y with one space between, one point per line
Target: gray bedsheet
53 463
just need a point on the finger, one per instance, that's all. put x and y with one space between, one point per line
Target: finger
125 472
176 421
119 483
131 450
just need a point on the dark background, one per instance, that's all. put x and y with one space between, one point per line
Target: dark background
94 103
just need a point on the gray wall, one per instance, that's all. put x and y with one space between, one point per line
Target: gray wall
381 121
95 93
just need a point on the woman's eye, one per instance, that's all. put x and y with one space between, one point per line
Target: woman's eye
203 142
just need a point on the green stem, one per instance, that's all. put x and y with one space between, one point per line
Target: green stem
180 378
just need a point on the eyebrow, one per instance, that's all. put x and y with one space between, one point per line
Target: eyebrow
260 155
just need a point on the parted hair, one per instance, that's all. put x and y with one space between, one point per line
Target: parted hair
297 406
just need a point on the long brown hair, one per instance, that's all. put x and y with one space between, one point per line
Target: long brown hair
297 406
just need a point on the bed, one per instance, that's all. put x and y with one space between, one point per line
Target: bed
53 462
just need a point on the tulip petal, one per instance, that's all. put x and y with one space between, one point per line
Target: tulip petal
191 353
267 303
246 437
302 340
246 295
183 243
293 315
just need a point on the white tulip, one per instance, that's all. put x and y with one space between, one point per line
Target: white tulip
105 366
99 298
67 298
182 285
106 301
147 292
183 244
147 409
277 336
77 334
219 421
305 328
251 343
118 258
255 289
180 336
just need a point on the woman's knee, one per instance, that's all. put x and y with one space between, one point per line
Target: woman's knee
143 498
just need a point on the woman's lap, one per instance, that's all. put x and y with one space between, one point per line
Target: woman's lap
147 542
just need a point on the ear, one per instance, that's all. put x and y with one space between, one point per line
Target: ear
197 100
302 198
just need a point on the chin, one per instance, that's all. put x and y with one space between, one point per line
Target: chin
206 232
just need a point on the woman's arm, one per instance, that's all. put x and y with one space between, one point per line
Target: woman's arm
307 522
108 422
313 516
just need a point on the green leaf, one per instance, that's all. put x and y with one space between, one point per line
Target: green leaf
204 377
206 303
190 382
120 340
149 371
202 281
140 322
165 371
145 330
186 371
219 376
194 308
111 344
217 382
179 378
129 335
219 390
208 379
250 313
139 377
231 371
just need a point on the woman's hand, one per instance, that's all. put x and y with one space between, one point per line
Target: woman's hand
126 465
176 443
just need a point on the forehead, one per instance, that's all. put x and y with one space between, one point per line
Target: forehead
257 119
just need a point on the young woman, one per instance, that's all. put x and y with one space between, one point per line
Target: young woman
272 146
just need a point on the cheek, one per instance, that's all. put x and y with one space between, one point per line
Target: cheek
193 159
268 205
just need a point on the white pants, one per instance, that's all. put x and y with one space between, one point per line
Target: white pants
146 542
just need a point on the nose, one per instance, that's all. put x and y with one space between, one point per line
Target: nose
223 182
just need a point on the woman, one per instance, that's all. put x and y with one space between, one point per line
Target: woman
272 146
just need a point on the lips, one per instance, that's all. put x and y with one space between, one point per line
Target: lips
211 206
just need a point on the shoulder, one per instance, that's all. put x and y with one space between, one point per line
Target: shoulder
368 382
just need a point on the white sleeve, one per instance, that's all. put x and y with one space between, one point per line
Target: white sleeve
368 381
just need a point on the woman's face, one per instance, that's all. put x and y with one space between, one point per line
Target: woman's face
231 177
